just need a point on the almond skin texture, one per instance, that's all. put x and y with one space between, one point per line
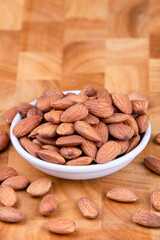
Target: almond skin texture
69 141
131 122
34 112
48 205
23 108
32 148
70 152
133 142
147 219
16 182
88 207
155 200
120 131
6 172
115 118
139 107
102 129
142 122
122 102
11 215
24 140
78 98
52 93
108 152
8 196
47 130
34 132
51 156
47 141
39 143
26 125
61 226
62 104
153 164
81 161
74 113
121 195
124 146
88 90
103 93
39 187
133 95
65 129
50 147
157 138
89 148
44 104
91 119
10 114
53 116
87 131
4 140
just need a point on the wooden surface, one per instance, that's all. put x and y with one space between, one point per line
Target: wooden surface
67 44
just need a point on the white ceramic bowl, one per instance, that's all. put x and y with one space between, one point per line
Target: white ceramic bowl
78 172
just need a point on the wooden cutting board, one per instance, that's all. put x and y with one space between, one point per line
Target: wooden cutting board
67 44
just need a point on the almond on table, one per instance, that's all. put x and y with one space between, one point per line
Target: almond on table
39 187
8 196
6 172
48 205
16 182
121 195
61 226
88 207
153 164
11 215
155 199
10 114
4 140
147 219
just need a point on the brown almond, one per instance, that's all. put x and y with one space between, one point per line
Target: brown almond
4 140
142 122
10 114
87 131
157 138
34 132
53 116
131 122
70 94
124 146
8 196
39 187
91 119
60 226
65 129
11 215
34 112
37 142
81 161
103 93
16 182
6 172
23 108
88 90
155 199
24 140
102 129
69 141
48 141
121 195
89 148
51 156
32 148
120 131
134 95
26 125
50 147
133 142
122 102
62 104
115 118
146 219
52 93
70 152
44 103
47 130
153 164
88 207
48 205
139 107
108 151
78 98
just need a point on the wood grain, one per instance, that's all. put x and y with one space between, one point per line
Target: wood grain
67 44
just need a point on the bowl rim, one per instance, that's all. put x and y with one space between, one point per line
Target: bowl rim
88 168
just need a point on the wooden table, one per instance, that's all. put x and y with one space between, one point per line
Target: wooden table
67 44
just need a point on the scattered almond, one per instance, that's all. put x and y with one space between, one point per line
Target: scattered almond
11 215
153 164
157 138
16 182
10 114
60 226
4 140
147 219
121 195
48 205
155 199
88 207
39 187
6 172
8 196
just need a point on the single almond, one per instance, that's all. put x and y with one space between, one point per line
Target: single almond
108 151
51 156
122 102
88 90
103 93
142 122
134 95
131 122
70 152
62 104
53 93
80 161
155 199
6 172
133 142
69 141
8 196
91 119
11 215
24 140
116 118
23 108
26 125
39 187
139 107
146 219
32 148
87 131
48 141
48 205
102 129
16 182
39 143
34 132
44 103
121 195
153 164
34 112
65 129
157 138
60 226
10 114
4 140
53 116
89 148
47 130
88 207
78 98
124 146
120 131
50 147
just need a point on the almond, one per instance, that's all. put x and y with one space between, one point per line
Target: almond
131 122
88 207
122 102
74 113
6 172
26 125
23 108
50 147
34 112
133 142
88 90
39 187
47 141
103 93
102 129
146 219
133 95
121 195
124 146
157 138
62 104
155 199
48 205
120 131
78 98
34 132
61 226
91 119
87 131
47 130
10 114
116 118
8 196
52 93
69 141
108 152
32 148
65 129
53 116
51 156
70 152
139 107
16 182
81 161
142 122
10 214
44 103
70 94
89 148
153 164
24 140
4 140
39 143
99 108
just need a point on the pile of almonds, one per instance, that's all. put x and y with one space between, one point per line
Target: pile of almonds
91 127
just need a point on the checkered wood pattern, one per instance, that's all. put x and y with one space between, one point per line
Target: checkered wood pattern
67 44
